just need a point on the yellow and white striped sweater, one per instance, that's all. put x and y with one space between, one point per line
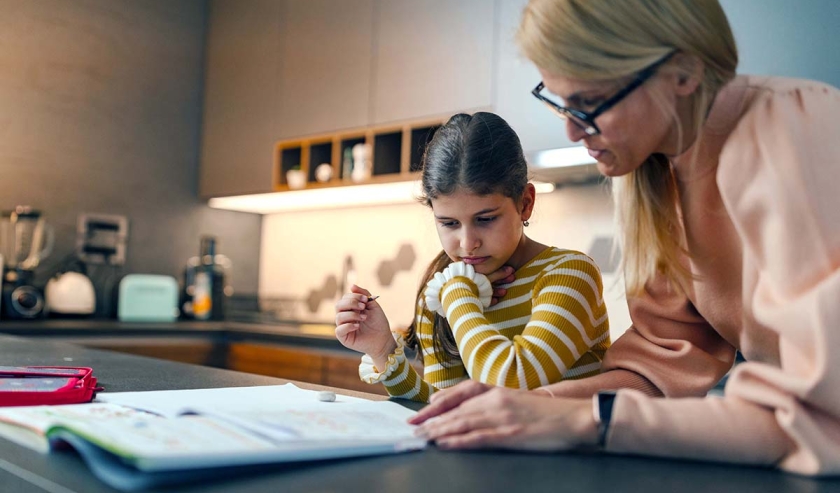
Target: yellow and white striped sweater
552 324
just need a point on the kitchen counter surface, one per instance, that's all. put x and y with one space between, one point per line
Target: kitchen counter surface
78 330
26 471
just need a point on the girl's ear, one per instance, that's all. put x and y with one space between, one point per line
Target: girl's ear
529 196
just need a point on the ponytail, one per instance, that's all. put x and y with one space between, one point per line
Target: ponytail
443 341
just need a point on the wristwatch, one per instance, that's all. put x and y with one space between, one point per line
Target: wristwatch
602 406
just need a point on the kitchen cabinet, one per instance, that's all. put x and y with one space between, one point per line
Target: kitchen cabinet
515 77
431 58
396 152
305 365
239 131
325 65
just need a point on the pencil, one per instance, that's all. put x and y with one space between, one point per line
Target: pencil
371 298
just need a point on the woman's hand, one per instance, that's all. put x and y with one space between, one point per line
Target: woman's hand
505 275
500 417
361 325
447 399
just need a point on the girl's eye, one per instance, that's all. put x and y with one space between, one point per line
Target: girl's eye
449 224
486 220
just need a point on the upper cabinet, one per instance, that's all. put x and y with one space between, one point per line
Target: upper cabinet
431 57
323 84
515 77
239 131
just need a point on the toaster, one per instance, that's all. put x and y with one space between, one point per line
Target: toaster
148 298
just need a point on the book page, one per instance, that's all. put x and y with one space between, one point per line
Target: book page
28 425
282 413
228 399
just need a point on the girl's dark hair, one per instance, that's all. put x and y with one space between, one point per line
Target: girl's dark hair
479 154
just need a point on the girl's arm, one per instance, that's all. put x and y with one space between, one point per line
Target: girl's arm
567 327
405 382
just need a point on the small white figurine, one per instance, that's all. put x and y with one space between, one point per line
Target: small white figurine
361 163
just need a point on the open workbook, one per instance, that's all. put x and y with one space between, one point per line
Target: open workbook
138 439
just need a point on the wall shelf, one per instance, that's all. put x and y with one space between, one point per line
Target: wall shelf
395 154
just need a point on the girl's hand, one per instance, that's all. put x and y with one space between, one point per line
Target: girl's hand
514 419
505 275
361 325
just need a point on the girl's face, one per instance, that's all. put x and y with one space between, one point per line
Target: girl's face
481 230
632 130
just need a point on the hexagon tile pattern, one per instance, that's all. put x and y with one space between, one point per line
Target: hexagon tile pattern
389 268
328 291
386 271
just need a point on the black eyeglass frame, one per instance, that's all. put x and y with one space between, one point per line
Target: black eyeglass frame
588 118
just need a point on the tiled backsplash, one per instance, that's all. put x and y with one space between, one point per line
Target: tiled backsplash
304 254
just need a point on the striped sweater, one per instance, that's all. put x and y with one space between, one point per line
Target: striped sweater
552 324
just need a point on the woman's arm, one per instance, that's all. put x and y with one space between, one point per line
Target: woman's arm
670 350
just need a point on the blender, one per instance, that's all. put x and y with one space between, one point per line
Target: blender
25 240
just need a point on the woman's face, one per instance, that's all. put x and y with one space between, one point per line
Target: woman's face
481 230
632 130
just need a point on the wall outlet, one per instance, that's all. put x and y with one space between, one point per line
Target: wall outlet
101 238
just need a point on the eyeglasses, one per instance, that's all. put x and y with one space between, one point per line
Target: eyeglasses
586 120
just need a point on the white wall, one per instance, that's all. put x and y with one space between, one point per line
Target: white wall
300 250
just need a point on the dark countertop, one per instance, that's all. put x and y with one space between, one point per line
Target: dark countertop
315 335
25 471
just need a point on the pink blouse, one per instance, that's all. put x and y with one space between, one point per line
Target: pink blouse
761 209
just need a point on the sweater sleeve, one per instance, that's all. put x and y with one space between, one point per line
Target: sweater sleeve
568 319
778 176
406 383
670 350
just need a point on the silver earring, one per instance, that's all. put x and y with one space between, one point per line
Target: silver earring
526 223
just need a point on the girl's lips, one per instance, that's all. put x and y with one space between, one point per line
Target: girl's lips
474 260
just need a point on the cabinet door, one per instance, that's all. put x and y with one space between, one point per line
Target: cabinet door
243 46
324 80
431 57
515 77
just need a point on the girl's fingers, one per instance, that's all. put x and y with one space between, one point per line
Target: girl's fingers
360 290
349 317
351 302
343 330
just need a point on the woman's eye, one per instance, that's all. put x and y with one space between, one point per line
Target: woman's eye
449 224
590 103
485 220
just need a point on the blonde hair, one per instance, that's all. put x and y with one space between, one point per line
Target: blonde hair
605 39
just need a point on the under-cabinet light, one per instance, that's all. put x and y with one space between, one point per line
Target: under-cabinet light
401 192
561 157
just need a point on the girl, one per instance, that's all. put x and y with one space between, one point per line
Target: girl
550 324
726 187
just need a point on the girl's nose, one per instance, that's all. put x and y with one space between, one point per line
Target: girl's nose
469 241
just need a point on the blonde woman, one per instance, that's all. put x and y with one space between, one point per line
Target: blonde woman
726 191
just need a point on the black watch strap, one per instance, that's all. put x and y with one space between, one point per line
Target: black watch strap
603 414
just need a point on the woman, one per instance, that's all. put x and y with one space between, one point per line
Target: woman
725 187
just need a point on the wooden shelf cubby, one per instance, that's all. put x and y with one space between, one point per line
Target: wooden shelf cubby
396 154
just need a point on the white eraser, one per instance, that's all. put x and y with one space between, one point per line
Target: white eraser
326 396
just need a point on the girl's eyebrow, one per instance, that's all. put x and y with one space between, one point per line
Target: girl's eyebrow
479 213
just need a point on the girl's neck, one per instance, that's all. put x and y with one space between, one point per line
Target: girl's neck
525 252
